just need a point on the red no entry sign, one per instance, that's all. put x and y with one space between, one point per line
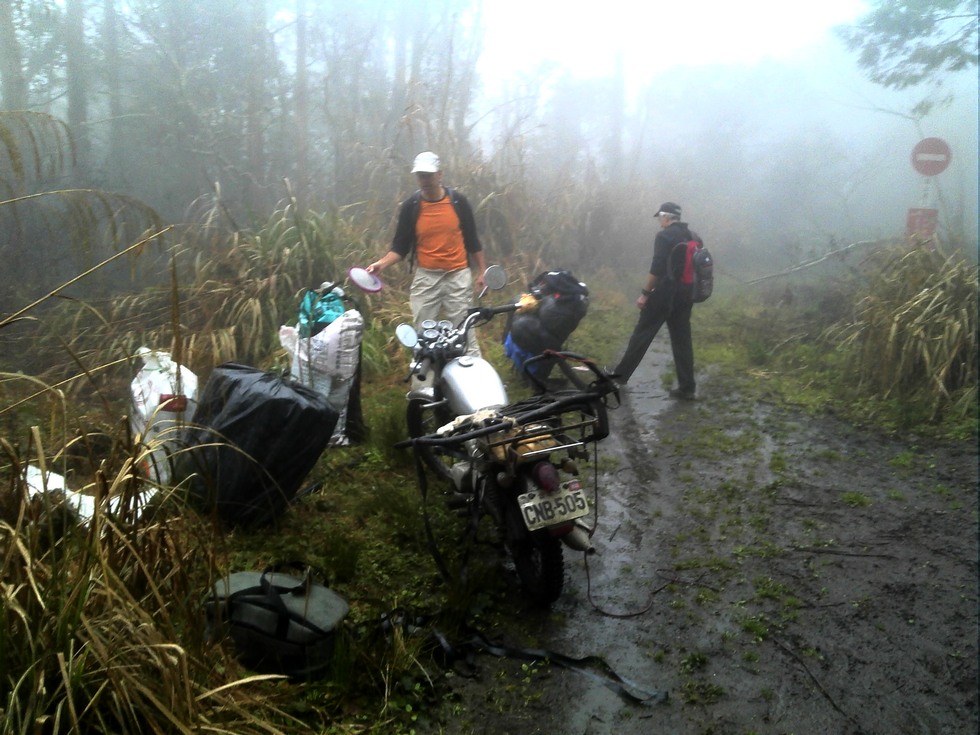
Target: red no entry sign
931 156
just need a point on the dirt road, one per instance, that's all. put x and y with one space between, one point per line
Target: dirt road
785 574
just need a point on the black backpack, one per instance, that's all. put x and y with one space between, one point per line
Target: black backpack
698 270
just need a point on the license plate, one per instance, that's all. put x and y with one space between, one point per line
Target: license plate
541 509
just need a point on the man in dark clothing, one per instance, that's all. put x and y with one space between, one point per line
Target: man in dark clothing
663 298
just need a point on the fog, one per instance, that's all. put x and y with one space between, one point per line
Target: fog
568 123
789 138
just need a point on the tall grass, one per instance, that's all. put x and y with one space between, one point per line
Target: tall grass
227 295
101 627
913 337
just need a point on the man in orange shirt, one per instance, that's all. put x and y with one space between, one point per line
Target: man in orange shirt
436 224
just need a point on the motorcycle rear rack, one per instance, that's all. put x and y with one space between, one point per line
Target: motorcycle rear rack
530 432
544 452
543 412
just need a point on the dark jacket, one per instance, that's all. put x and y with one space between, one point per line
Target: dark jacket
666 256
405 240
663 247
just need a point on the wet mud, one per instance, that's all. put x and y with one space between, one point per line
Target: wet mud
766 571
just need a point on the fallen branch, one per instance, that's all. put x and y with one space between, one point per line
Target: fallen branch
815 680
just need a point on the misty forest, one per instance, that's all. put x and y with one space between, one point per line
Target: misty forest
174 174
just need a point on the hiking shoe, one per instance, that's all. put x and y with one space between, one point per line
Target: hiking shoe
615 377
681 395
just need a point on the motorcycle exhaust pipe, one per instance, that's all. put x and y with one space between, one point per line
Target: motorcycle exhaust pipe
578 538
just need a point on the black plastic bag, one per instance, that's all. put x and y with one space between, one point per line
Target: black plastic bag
563 302
255 438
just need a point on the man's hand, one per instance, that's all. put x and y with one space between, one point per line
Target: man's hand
383 262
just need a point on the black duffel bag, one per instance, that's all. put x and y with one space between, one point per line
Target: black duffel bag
255 438
279 623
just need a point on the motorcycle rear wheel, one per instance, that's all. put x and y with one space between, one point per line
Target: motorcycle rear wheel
537 557
423 420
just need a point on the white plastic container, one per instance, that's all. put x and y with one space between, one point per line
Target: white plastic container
164 399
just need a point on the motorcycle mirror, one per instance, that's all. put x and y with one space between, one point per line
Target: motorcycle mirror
406 334
495 277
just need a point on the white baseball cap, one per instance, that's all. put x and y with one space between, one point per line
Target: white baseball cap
426 163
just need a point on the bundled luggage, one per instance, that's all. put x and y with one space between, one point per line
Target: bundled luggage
255 437
164 398
325 353
562 302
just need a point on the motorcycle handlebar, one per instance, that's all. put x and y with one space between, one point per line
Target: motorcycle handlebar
487 312
443 348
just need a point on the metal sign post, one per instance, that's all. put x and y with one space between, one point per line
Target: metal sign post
930 157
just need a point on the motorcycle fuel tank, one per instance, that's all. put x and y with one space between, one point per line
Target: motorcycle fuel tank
471 383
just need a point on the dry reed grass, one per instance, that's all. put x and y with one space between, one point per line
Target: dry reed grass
914 336
102 622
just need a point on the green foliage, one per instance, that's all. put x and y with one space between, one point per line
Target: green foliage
66 231
893 342
855 499
906 42
33 147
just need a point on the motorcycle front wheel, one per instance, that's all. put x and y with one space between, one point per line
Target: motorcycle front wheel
537 557
423 419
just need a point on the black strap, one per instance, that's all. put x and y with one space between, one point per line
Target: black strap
627 690
452 655
429 535
274 600
269 596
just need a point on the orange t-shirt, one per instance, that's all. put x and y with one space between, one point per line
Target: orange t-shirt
439 240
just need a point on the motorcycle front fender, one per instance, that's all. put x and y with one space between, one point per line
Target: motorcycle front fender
426 394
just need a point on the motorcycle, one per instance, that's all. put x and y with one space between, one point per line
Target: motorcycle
515 462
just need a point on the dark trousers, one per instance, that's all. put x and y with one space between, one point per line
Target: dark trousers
676 312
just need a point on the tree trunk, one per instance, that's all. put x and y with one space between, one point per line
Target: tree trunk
113 63
617 122
76 73
302 93
254 125
13 84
